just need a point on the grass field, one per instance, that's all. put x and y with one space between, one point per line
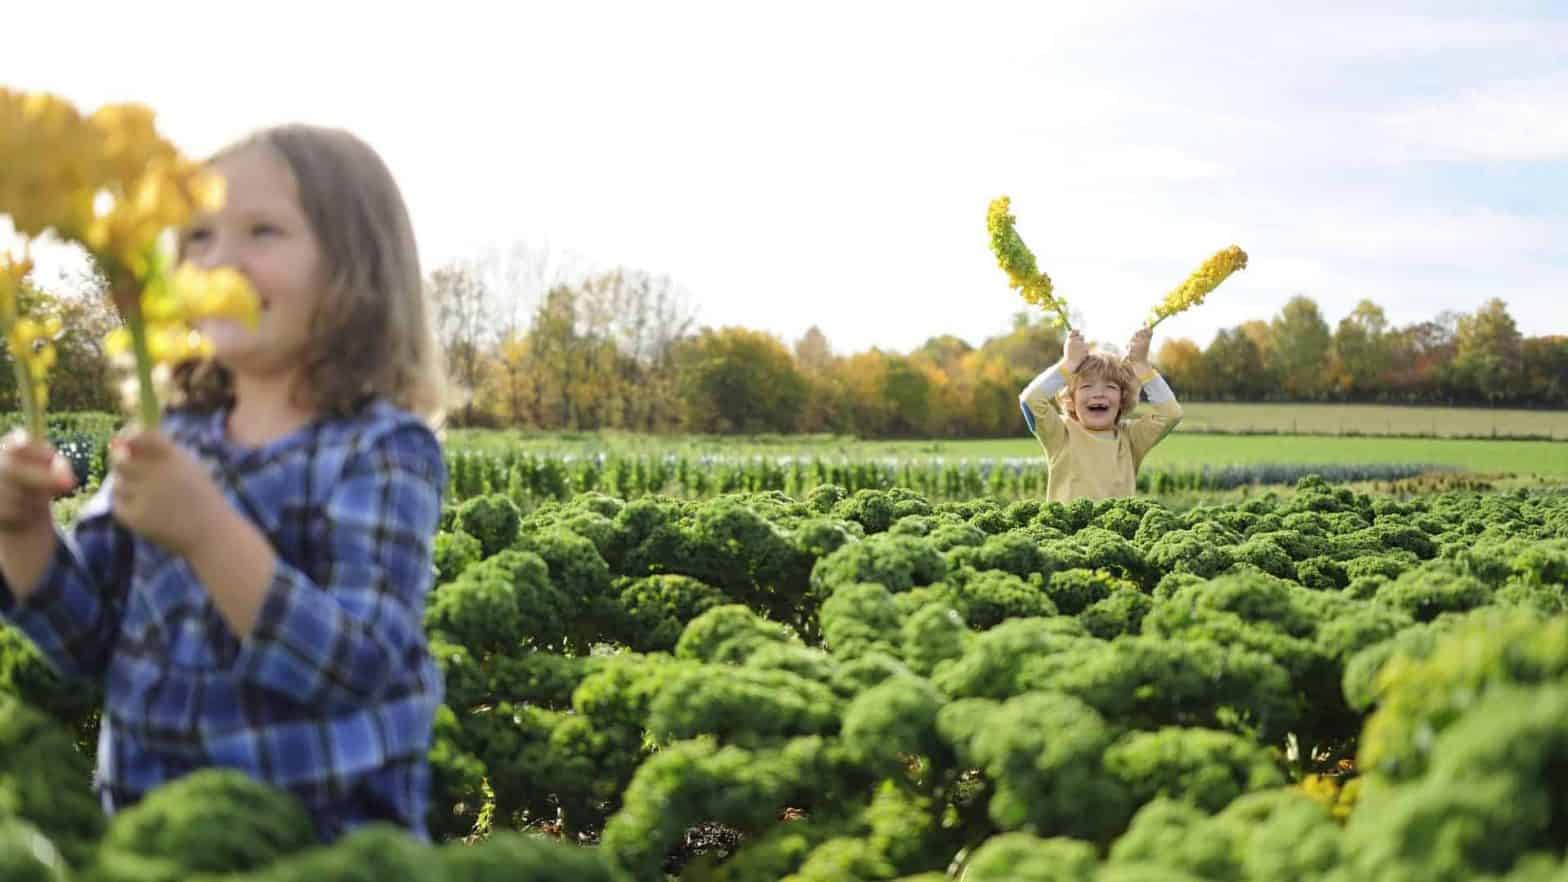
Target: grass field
1545 458
1374 419
1181 450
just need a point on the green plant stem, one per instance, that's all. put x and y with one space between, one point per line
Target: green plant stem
147 395
28 396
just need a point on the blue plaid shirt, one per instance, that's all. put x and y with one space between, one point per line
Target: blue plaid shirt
332 695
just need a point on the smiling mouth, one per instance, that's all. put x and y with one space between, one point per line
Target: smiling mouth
1099 408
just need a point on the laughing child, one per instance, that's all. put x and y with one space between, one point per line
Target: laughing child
1092 447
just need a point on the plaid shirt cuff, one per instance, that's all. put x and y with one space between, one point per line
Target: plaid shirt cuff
59 615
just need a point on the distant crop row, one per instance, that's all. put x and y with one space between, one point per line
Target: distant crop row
531 478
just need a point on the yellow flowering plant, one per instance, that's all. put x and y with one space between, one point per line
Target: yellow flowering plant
169 304
112 183
1197 286
1015 259
30 343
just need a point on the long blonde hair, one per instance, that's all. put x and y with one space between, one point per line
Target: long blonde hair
372 335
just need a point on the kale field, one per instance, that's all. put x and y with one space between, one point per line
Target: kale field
1318 684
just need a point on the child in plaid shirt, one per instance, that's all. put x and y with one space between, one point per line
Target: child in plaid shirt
249 583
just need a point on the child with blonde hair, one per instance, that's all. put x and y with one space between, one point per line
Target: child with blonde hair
249 582
1095 452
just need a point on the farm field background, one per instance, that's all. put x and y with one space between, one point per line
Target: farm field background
1374 419
1191 451
1190 447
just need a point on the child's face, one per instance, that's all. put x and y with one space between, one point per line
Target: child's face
263 232
1098 401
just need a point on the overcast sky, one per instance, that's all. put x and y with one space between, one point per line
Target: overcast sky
830 163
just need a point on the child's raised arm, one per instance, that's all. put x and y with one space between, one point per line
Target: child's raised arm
1038 400
1164 412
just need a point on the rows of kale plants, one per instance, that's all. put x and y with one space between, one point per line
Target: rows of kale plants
533 478
874 686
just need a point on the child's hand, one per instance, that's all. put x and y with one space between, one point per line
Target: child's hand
1077 351
1138 348
31 474
162 492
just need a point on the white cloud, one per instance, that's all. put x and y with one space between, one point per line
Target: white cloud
1518 120
1358 31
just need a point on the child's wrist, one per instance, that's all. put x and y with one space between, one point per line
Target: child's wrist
211 524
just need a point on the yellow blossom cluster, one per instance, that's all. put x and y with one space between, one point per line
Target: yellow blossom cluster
1018 262
29 341
171 305
109 181
31 344
1191 292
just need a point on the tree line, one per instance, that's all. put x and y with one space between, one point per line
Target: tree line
622 349
530 344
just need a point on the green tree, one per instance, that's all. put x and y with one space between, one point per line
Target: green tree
1262 334
508 389
909 395
1181 362
1487 359
984 390
555 346
1234 366
1545 361
1363 352
989 378
739 380
863 378
822 410
1302 344
1419 355
945 352
1030 347
629 322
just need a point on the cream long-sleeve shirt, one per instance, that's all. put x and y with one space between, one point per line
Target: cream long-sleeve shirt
1089 464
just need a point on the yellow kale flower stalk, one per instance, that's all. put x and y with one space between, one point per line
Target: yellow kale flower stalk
30 344
51 171
1198 285
1015 258
151 189
172 304
110 182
